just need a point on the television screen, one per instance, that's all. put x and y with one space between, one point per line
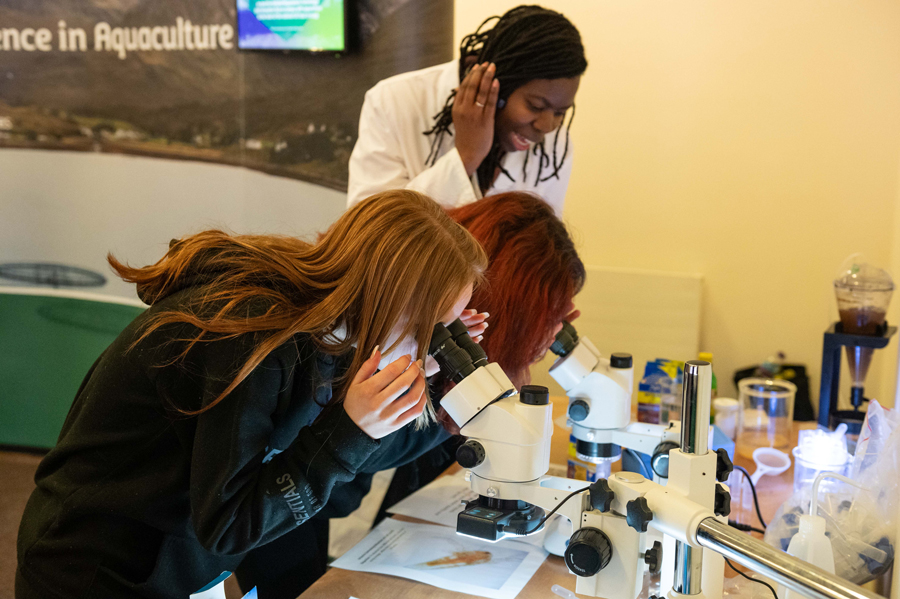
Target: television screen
316 25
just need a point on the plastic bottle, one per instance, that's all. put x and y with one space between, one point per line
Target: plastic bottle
727 412
670 400
811 545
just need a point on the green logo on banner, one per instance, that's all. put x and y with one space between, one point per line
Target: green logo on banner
282 17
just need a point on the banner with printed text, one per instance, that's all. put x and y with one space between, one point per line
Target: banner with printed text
165 78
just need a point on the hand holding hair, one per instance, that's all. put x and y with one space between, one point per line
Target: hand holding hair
383 402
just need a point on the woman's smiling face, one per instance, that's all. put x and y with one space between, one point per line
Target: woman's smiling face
532 111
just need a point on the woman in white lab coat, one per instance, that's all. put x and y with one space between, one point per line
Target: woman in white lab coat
502 129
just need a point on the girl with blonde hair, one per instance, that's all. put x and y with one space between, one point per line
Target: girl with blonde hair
266 372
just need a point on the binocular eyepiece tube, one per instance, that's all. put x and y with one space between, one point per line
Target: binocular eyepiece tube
455 352
565 340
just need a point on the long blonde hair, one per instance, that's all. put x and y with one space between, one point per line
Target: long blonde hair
394 259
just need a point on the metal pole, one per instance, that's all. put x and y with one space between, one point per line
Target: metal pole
793 573
694 440
695 406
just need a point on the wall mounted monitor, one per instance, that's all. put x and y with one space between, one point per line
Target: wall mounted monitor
310 25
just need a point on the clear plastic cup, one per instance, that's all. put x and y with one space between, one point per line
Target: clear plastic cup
820 451
767 415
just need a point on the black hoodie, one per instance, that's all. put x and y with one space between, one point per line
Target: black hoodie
137 500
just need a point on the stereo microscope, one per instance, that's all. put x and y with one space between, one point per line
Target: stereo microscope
507 456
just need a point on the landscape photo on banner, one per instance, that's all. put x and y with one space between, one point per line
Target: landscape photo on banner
165 78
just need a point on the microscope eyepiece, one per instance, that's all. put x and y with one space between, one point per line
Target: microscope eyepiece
439 336
565 341
457 328
455 362
461 336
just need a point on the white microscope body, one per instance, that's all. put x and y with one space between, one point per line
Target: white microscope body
599 391
507 456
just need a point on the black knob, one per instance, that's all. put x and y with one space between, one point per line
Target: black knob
588 552
653 557
601 495
724 466
620 360
660 460
579 410
470 454
722 505
638 514
534 395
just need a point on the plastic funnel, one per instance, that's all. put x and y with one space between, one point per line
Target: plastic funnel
769 461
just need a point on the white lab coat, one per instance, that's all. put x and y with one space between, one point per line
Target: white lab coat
391 150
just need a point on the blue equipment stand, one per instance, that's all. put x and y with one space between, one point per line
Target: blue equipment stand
835 339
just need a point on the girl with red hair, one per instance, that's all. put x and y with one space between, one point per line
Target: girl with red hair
533 275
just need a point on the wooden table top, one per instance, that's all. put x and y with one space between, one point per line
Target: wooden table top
343 584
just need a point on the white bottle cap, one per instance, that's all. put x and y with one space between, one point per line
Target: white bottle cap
725 405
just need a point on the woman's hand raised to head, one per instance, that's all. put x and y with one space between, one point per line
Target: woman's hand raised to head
473 115
376 401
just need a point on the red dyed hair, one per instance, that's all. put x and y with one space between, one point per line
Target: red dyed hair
533 274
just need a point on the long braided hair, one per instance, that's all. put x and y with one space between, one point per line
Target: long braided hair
526 43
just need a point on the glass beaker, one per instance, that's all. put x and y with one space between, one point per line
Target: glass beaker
767 415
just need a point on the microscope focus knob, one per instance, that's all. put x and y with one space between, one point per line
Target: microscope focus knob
601 495
470 454
589 551
579 410
722 505
653 557
638 514
724 465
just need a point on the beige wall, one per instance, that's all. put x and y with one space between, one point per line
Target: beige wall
754 142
